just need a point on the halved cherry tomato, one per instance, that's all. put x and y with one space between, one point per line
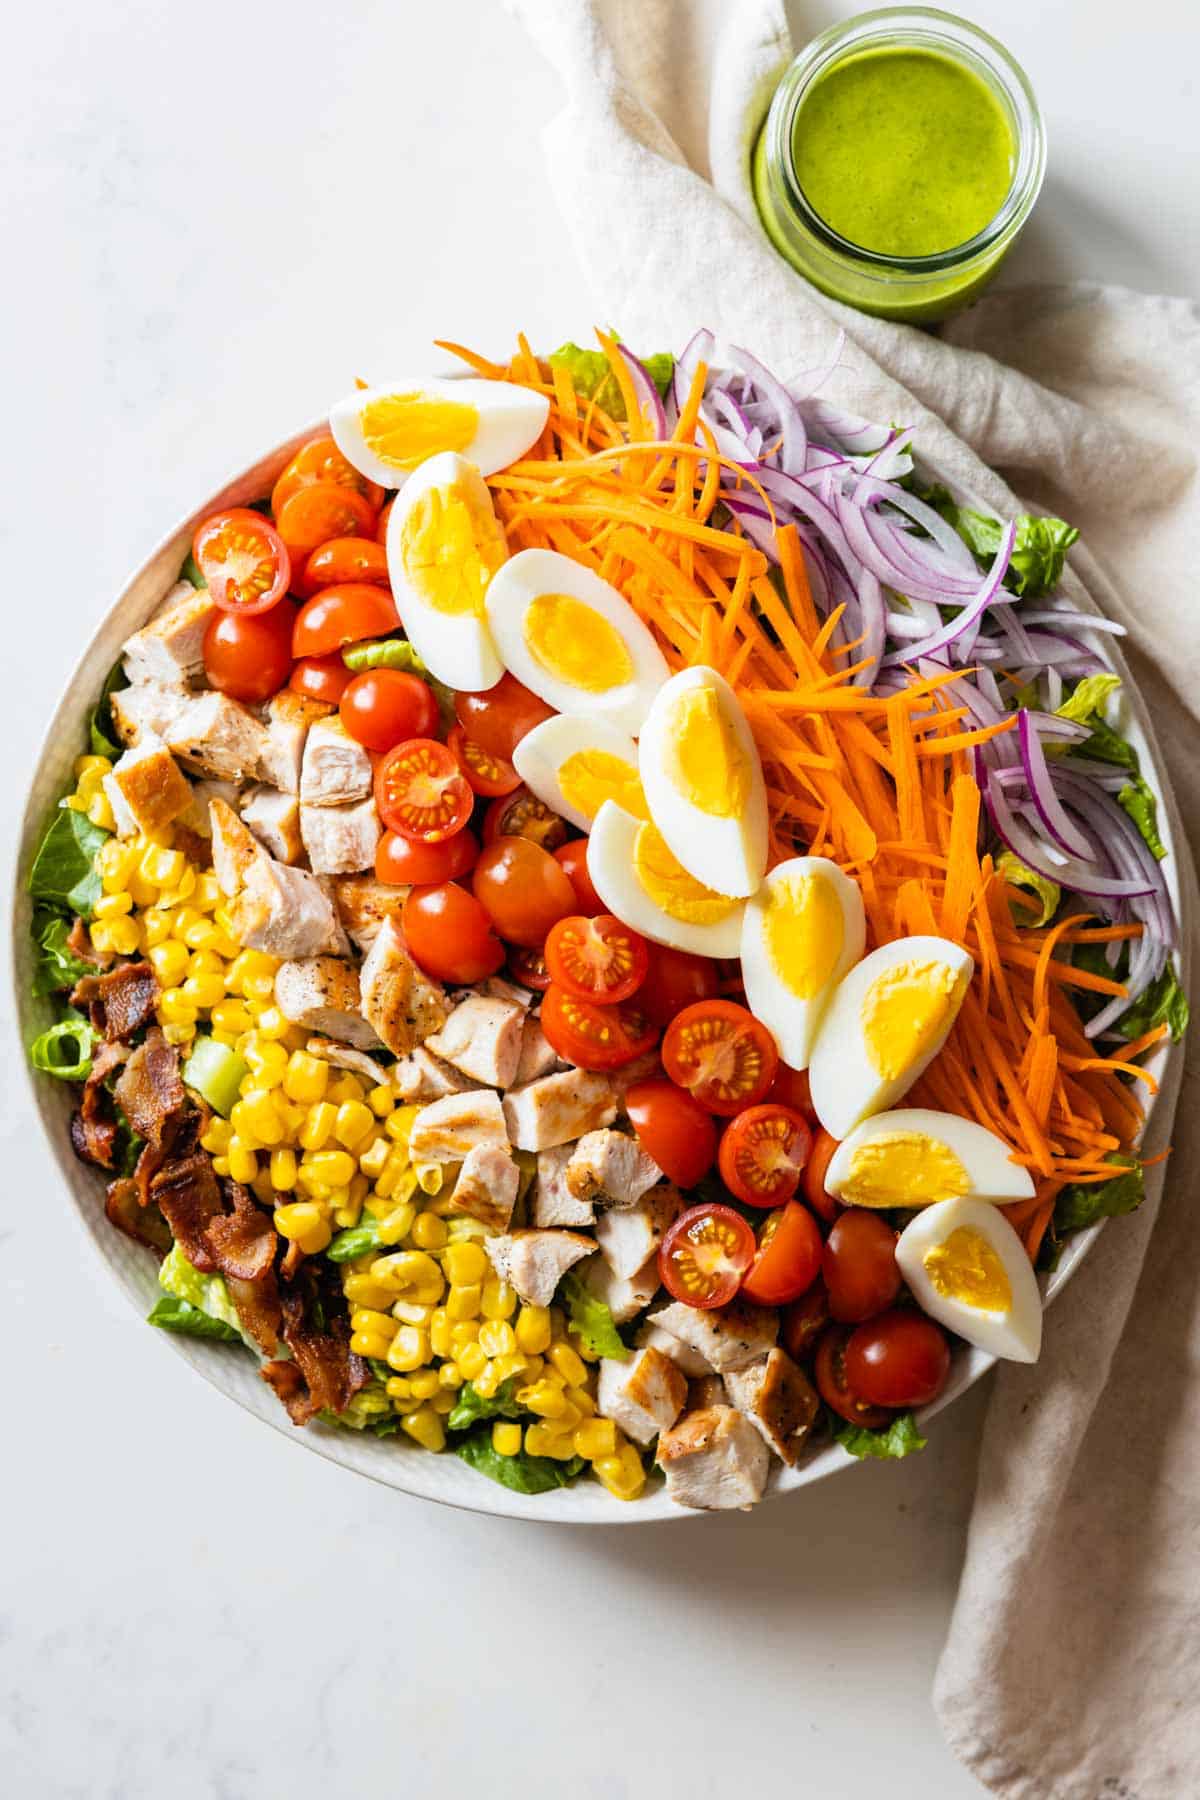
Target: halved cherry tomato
449 933
383 707
488 775
672 1128
522 889
675 979
343 615
762 1154
804 1321
573 858
402 863
522 814
244 560
819 1158
833 1385
343 559
595 1037
499 718
313 515
382 527
249 655
704 1256
788 1259
528 968
320 460
859 1265
321 678
420 793
899 1359
722 1054
596 959
790 1087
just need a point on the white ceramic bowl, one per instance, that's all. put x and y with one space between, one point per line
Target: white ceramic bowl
392 1461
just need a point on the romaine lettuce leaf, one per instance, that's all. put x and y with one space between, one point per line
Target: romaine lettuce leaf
523 1473
170 1313
1038 553
65 1049
191 572
592 377
207 1293
101 732
57 968
63 872
1088 696
1048 893
1080 1205
590 1318
899 1438
1137 797
473 1406
1163 1003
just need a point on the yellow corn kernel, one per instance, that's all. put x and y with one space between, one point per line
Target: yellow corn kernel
254 1117
464 1331
399 1124
163 868
334 1167
439 1332
216 1136
302 1223
272 1024
582 1401
398 1387
230 1017
622 1474
499 1300
260 988
368 1318
426 1427
465 1264
513 1364
345 1086
114 864
533 1329
411 1312
450 1375
100 812
283 1170
429 1232
396 1179
424 1384
370 1343
208 890
156 926
396 1224
243 1166
431 1177
112 906
463 1302
571 1367
96 766
471 1361
204 990
317 1127
506 1437
169 961
412 1276
544 1399
182 921
354 1123
364 1290
541 1441
206 962
409 1349
498 1337
486 1383
173 1004
443 1401
101 936
595 1437
179 1035
268 1060
372 1159
381 1101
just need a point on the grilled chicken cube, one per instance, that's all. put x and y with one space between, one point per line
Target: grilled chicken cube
400 1003
713 1460
335 768
423 1076
447 1130
170 648
553 1201
343 1057
235 849
534 1262
727 1337
487 1186
482 1038
283 911
624 1296
363 904
690 1361
341 840
778 1399
643 1396
538 1057
146 706
289 718
558 1108
628 1239
497 988
274 818
321 992
197 817
706 1390
611 1168
218 736
146 790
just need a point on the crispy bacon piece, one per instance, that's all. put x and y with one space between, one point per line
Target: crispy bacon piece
239 1244
331 1374
120 1002
144 1224
186 1192
293 1256
242 1242
93 1127
288 1384
149 1091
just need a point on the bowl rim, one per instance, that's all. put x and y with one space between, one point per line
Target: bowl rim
391 1463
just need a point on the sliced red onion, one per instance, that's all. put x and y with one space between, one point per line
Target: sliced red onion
1041 789
1068 616
942 533
795 438
1081 878
648 398
972 611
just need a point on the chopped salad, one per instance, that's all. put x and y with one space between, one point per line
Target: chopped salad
607 924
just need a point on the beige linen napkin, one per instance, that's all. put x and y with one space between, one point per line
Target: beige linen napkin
1068 1667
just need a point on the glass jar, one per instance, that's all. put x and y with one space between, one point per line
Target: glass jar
917 289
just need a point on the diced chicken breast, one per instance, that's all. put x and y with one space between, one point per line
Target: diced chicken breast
643 1396
706 1390
289 717
197 818
423 1076
363 904
274 818
778 1399
537 1057
487 1186
283 911
482 1038
612 1169
714 1459
235 849
341 840
553 1201
690 1361
447 1130
497 988
400 1003
624 1296
145 789
558 1108
534 1262
727 1337
343 1057
146 706
335 768
321 992
629 1238
170 648
218 736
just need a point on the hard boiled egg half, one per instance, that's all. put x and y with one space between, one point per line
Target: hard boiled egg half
886 1022
638 879
704 783
801 932
575 765
968 1270
914 1156
387 432
444 545
574 640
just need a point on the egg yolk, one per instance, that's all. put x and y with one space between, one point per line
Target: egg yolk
904 1168
704 760
804 932
669 885
906 1011
590 777
576 644
451 545
967 1268
403 429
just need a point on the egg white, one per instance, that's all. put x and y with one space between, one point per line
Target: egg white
1015 1332
793 1018
456 647
985 1159
542 752
508 421
612 866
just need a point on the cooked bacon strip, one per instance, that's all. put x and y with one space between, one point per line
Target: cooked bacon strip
124 1208
293 1256
242 1242
120 1002
93 1127
186 1192
288 1384
149 1091
331 1374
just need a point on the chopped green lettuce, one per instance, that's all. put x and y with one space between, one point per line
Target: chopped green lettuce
592 377
57 968
101 732
1162 1003
398 653
1138 799
355 1241
1088 696
590 1318
1080 1205
368 1410
1048 893
1038 553
191 572
216 1073
523 1473
64 872
1085 705
65 1049
170 1313
899 1437
473 1406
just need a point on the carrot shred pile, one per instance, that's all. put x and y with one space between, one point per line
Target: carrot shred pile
881 785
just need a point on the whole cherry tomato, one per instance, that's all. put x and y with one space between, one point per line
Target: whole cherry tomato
675 979
402 863
788 1259
834 1386
819 1158
343 615
320 677
313 515
859 1265
499 718
343 559
900 1358
249 655
522 889
449 934
573 857
382 707
672 1128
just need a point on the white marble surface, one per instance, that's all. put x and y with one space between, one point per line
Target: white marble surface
213 219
